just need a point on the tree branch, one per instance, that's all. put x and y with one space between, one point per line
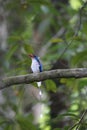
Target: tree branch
29 78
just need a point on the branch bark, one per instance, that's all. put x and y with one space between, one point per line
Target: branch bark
29 78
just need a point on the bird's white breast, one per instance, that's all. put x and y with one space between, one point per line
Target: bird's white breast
35 66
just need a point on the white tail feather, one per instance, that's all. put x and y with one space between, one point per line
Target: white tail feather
40 92
39 84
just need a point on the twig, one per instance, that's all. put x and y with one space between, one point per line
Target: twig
81 119
73 126
79 122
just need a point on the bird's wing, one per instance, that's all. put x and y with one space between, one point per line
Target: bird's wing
40 68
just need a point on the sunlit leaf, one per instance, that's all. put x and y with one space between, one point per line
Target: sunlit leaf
56 40
76 4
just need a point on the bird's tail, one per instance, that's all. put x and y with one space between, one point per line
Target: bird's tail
39 85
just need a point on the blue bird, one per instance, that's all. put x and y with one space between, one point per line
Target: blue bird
36 66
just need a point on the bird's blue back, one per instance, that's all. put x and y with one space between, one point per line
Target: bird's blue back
40 65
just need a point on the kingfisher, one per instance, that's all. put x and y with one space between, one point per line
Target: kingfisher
36 66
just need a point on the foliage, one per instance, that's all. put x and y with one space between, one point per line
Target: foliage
45 28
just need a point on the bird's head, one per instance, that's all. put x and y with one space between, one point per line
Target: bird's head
31 55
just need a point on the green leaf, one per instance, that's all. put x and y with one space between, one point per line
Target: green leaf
79 57
39 2
75 4
28 49
56 40
14 38
25 123
51 86
11 51
57 129
8 127
82 82
84 29
62 116
78 38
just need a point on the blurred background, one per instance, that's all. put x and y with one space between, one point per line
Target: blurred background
56 31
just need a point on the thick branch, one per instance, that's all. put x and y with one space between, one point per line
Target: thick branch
29 78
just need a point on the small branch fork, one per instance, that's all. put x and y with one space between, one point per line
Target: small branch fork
29 78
